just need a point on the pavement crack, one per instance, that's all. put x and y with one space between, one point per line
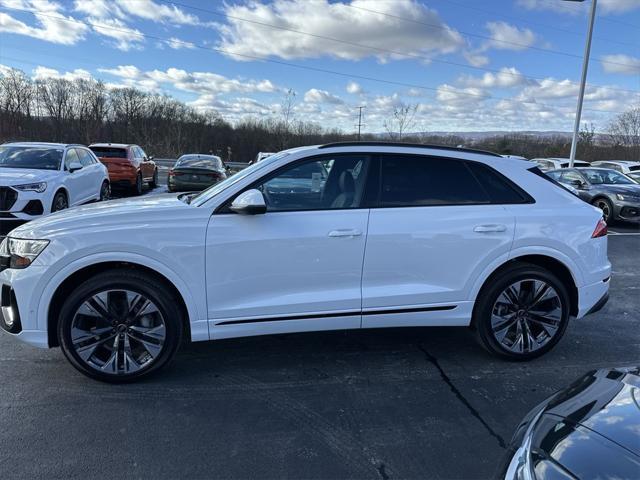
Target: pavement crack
434 361
382 471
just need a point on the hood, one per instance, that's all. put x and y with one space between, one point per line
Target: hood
115 213
18 176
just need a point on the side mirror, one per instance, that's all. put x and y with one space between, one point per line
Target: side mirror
250 202
75 166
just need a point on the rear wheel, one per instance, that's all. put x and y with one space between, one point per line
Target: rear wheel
606 207
522 313
154 181
60 202
119 326
137 187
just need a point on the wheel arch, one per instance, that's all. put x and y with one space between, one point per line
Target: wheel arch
552 264
84 273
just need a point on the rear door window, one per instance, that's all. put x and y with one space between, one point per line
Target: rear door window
85 157
414 180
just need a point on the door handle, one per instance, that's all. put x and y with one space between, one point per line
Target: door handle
345 233
490 228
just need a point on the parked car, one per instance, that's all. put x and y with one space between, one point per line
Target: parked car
454 237
615 194
546 164
260 156
195 172
39 178
129 167
589 430
635 176
622 166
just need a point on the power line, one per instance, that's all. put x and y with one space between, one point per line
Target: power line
553 3
308 67
385 50
537 24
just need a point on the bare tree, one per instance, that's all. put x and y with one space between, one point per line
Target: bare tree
402 120
624 131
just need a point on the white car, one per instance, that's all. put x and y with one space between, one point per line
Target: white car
622 166
546 164
260 156
40 178
395 235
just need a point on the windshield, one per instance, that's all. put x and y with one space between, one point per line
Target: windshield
39 158
198 161
605 177
215 189
109 152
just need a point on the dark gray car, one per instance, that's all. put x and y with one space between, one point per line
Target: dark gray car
617 195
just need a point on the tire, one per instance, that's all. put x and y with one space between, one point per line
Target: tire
137 187
523 336
154 182
104 341
60 202
605 205
105 191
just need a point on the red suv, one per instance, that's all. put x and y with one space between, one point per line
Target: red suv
128 165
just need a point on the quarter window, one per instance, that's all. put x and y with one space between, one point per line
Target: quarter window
412 181
499 189
325 183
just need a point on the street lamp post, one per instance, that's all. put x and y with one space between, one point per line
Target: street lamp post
583 81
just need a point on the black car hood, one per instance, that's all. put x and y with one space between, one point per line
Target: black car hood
592 428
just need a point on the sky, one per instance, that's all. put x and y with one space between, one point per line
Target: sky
464 65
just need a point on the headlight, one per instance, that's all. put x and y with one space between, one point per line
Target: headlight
38 187
20 253
627 197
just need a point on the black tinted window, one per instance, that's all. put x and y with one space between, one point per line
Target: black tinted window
109 152
499 189
412 180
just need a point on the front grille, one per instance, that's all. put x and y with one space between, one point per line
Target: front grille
8 197
9 314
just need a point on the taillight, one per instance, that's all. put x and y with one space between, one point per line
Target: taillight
601 229
174 174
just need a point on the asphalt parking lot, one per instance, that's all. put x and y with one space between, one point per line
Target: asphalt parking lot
385 404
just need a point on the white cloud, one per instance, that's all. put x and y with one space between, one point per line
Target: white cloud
354 88
126 38
508 37
50 26
335 20
623 64
201 83
476 59
506 77
321 96
177 44
42 73
145 9
459 97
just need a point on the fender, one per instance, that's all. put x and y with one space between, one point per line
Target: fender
199 328
521 252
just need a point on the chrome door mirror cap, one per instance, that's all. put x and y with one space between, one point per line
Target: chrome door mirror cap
250 202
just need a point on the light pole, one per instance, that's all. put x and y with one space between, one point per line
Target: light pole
583 81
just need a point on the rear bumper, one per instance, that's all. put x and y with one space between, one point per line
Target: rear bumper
591 298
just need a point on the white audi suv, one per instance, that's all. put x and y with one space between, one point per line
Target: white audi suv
39 178
337 236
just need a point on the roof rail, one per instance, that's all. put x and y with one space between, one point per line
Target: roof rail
412 145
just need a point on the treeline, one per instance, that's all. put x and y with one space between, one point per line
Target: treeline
85 111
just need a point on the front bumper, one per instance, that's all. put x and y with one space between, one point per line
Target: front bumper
627 211
19 300
27 206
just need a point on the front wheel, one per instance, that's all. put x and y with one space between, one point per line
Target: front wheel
120 325
522 313
60 202
606 207
105 191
